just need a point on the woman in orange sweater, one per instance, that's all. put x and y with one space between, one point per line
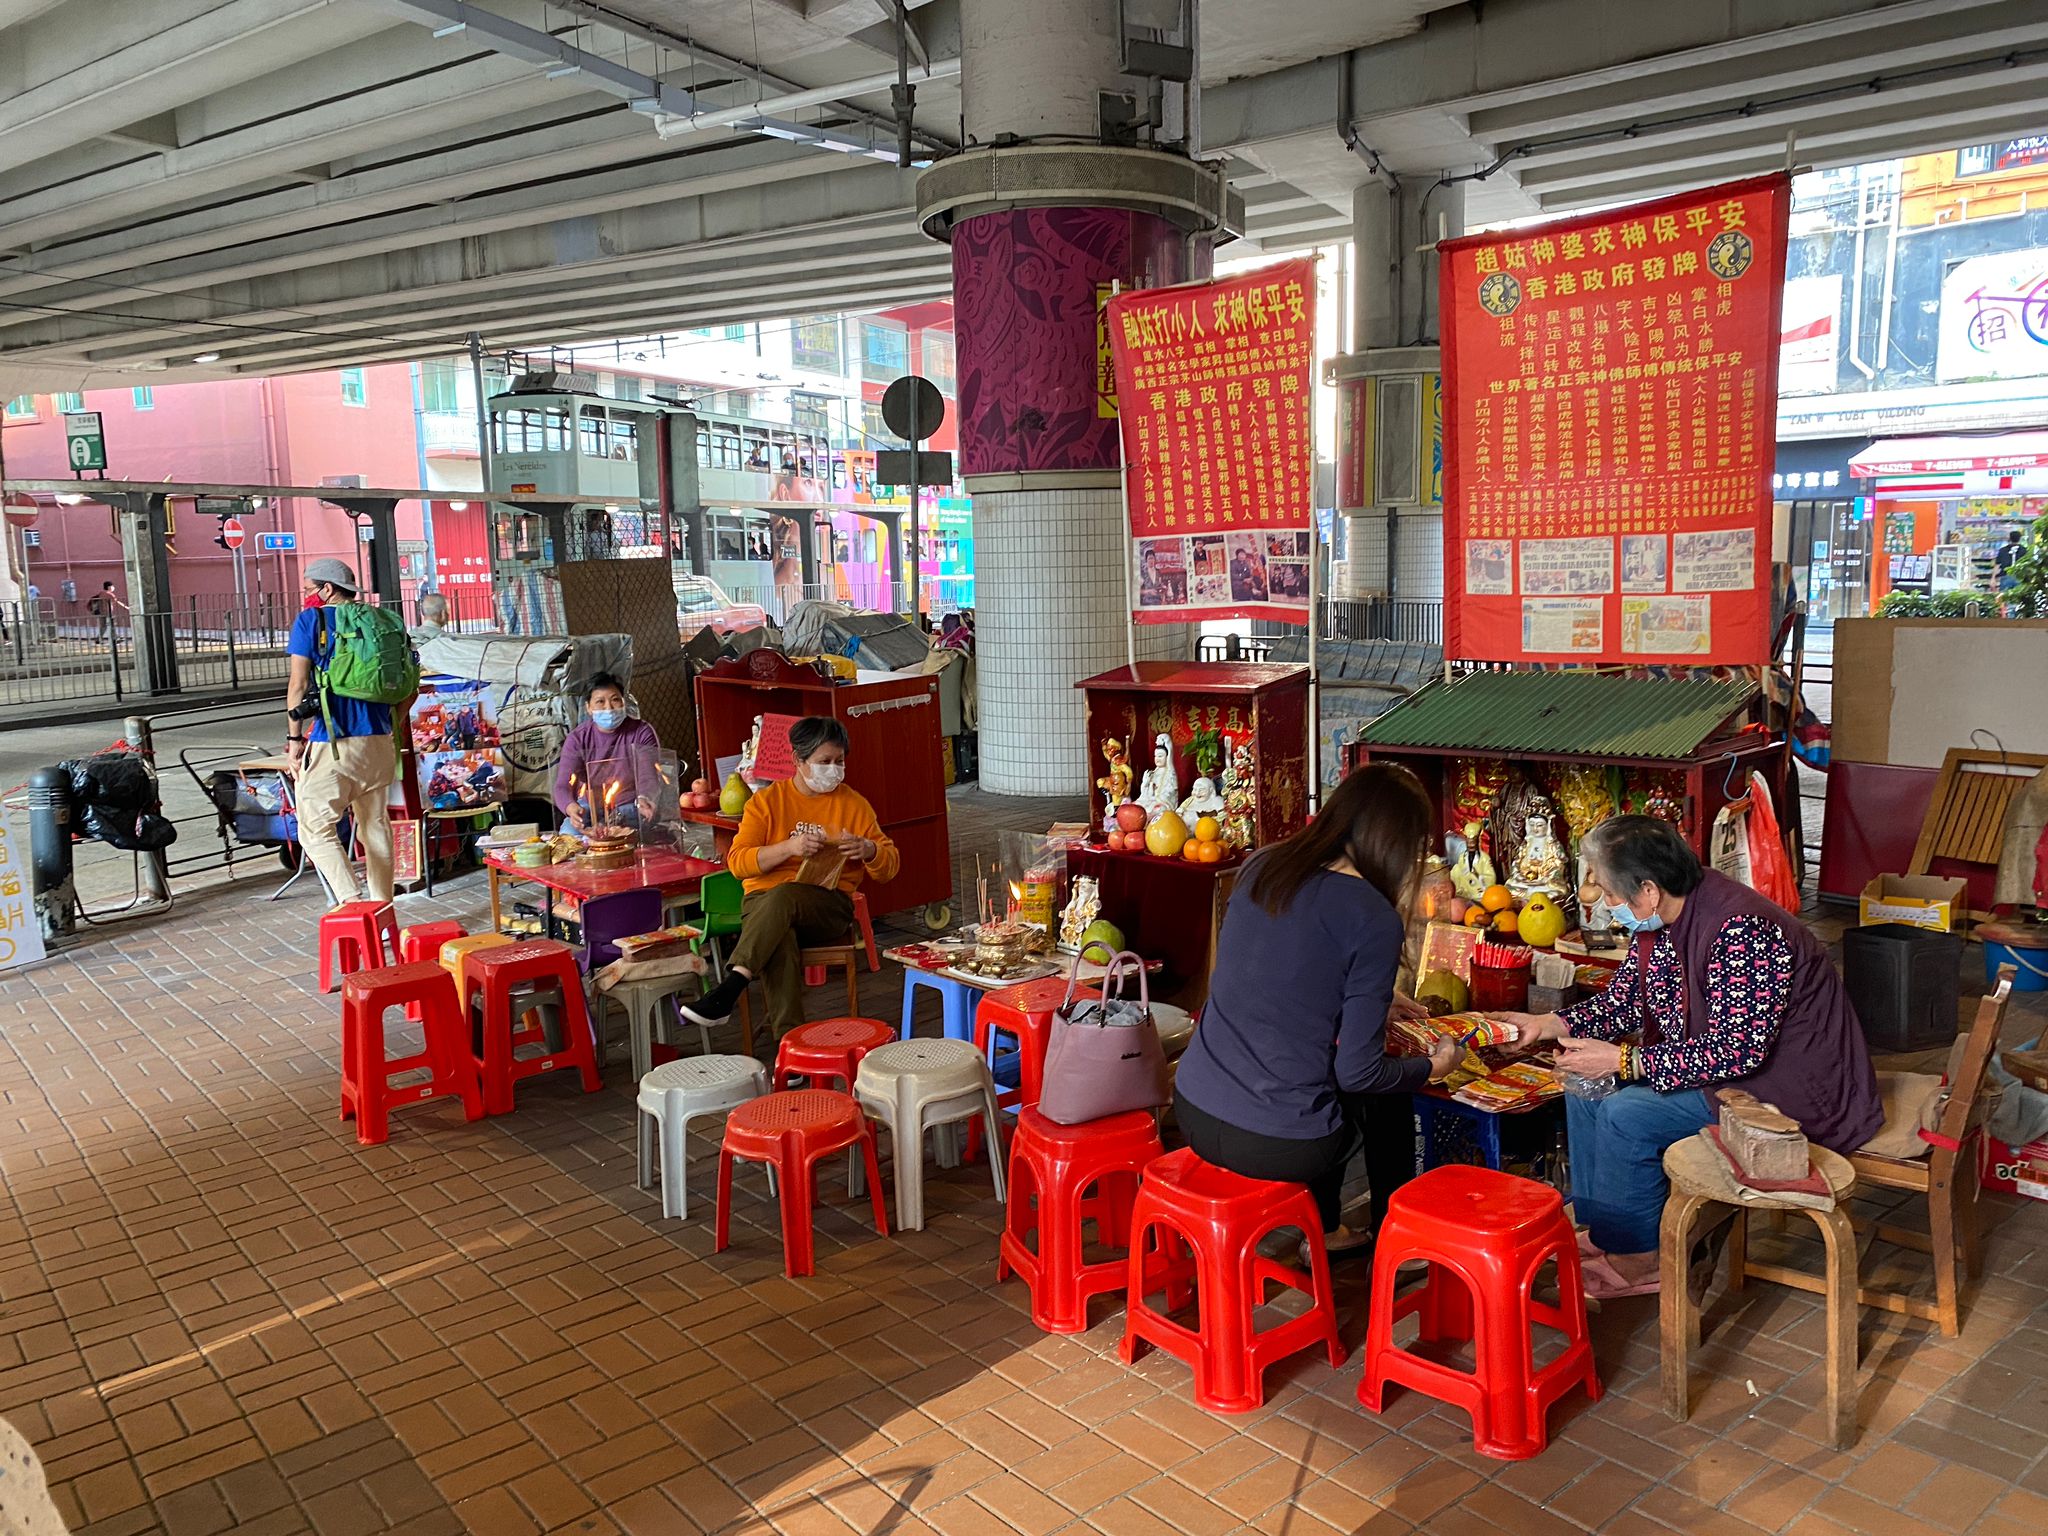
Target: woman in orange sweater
812 813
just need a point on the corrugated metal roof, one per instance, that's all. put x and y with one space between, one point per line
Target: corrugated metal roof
1562 712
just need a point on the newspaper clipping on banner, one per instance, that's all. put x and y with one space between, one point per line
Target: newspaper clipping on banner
1214 389
1610 415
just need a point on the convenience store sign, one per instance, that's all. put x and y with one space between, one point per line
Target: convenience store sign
1610 417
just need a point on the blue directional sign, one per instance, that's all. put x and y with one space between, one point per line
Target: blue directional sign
278 540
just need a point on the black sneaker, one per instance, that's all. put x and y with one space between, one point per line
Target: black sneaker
715 1006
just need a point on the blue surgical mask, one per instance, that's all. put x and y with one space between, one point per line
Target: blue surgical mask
608 719
1628 922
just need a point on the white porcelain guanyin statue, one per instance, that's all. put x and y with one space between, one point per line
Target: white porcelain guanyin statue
1159 790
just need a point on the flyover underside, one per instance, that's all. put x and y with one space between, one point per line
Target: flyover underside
296 185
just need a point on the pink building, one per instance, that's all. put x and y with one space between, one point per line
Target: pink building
302 429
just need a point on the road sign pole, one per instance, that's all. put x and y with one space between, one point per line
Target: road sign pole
916 553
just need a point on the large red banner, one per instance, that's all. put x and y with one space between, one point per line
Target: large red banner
1213 386
1610 415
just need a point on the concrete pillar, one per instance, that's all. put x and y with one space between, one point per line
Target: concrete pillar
1035 69
1377 271
1396 536
1042 234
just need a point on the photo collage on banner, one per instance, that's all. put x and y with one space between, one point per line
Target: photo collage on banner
1214 389
1610 416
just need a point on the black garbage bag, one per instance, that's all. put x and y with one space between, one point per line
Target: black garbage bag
135 831
115 781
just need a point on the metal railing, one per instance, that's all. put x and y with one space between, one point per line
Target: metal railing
1415 619
218 642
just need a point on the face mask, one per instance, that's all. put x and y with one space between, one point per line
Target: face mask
608 719
1629 923
312 600
824 777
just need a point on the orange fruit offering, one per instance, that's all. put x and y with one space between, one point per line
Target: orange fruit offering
1496 898
1506 922
1478 917
1209 850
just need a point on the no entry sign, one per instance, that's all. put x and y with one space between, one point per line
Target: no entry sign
232 533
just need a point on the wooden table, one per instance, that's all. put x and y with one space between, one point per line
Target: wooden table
661 869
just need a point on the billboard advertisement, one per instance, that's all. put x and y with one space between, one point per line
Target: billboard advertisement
1994 318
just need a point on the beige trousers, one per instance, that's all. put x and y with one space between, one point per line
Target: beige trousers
349 777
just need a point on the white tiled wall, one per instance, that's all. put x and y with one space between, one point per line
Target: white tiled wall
1049 611
1417 540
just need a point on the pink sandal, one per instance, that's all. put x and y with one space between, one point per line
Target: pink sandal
1603 1282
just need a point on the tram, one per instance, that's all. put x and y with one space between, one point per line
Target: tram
740 515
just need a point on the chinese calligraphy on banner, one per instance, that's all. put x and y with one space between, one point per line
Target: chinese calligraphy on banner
1610 411
1213 385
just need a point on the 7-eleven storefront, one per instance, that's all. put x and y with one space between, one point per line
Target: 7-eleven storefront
1943 505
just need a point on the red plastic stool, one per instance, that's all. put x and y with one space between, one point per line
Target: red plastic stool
423 941
1484 1235
366 1072
1219 1218
1025 1013
829 1050
352 938
496 973
1052 1169
791 1131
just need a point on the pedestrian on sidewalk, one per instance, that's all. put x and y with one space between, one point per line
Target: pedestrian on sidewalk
341 747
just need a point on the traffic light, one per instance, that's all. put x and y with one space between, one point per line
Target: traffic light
220 536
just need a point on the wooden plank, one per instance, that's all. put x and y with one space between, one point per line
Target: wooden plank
1966 817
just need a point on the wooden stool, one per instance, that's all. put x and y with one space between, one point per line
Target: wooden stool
1696 1171
817 959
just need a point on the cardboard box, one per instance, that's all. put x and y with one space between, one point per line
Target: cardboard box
2030 1067
2017 1170
1920 901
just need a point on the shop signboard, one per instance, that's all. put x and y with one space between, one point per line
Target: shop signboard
1994 318
1809 340
1610 392
1213 384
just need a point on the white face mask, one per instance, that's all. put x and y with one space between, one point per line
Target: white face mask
824 777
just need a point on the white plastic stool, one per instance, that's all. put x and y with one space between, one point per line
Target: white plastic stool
915 1085
644 1004
1176 1028
674 1094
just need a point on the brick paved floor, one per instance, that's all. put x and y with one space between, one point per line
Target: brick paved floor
218 1313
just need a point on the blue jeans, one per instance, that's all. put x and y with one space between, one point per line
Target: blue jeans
1617 1143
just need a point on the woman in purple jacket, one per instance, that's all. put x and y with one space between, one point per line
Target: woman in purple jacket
1726 988
609 759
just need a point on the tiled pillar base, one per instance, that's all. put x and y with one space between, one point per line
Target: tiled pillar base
1049 611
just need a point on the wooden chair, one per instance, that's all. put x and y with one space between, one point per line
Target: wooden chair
815 960
1947 1177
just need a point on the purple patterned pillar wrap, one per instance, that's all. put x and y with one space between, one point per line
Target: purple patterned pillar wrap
1028 290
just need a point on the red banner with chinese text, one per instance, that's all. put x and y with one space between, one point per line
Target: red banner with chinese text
1213 385
1610 416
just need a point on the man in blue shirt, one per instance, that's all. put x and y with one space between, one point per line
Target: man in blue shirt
347 774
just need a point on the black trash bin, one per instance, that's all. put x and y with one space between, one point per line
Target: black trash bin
1905 985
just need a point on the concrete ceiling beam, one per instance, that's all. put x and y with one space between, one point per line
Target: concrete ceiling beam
622 325
1830 137
132 193
458 299
405 326
1837 59
745 202
76 72
295 261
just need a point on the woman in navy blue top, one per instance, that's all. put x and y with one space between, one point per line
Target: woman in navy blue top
1292 1041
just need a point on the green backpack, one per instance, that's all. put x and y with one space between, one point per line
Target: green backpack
372 660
